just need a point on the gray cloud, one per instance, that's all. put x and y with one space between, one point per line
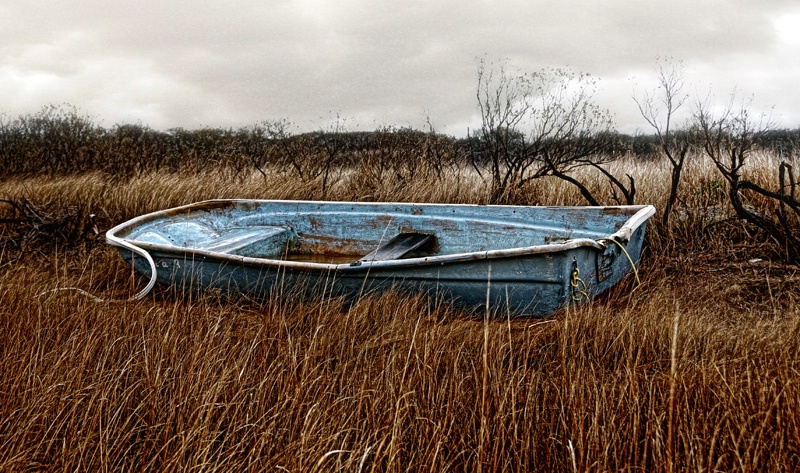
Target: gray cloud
215 63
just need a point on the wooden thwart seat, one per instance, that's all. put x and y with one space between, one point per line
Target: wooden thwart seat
400 246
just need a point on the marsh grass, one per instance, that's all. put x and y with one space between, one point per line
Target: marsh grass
696 369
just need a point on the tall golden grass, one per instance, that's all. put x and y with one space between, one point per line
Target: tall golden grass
696 369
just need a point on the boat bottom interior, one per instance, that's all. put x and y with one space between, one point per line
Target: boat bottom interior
282 242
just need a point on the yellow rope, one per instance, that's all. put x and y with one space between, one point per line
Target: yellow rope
579 292
630 260
579 289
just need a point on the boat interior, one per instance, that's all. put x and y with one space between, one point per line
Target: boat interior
361 234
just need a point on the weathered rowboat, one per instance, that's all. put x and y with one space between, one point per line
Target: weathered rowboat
518 260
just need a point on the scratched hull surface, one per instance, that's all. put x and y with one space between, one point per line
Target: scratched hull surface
526 259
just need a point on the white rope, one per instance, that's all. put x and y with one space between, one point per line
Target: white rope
153 274
139 295
76 289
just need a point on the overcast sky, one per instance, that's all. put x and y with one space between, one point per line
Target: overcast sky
232 63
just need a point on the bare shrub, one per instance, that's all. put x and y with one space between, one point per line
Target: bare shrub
660 110
538 124
729 138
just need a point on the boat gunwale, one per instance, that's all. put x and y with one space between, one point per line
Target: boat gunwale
643 213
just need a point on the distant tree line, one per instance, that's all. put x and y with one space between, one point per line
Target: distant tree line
59 140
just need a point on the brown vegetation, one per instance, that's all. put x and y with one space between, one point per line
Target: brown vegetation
696 369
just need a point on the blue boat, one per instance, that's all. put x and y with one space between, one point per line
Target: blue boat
514 260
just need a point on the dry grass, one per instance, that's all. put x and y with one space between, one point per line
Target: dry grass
697 369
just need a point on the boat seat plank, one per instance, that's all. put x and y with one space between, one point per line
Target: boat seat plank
400 246
249 241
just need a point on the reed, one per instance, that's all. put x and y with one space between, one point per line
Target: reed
696 369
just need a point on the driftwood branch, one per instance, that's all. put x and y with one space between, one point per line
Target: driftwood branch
29 227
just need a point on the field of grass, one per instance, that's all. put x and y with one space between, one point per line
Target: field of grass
697 369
